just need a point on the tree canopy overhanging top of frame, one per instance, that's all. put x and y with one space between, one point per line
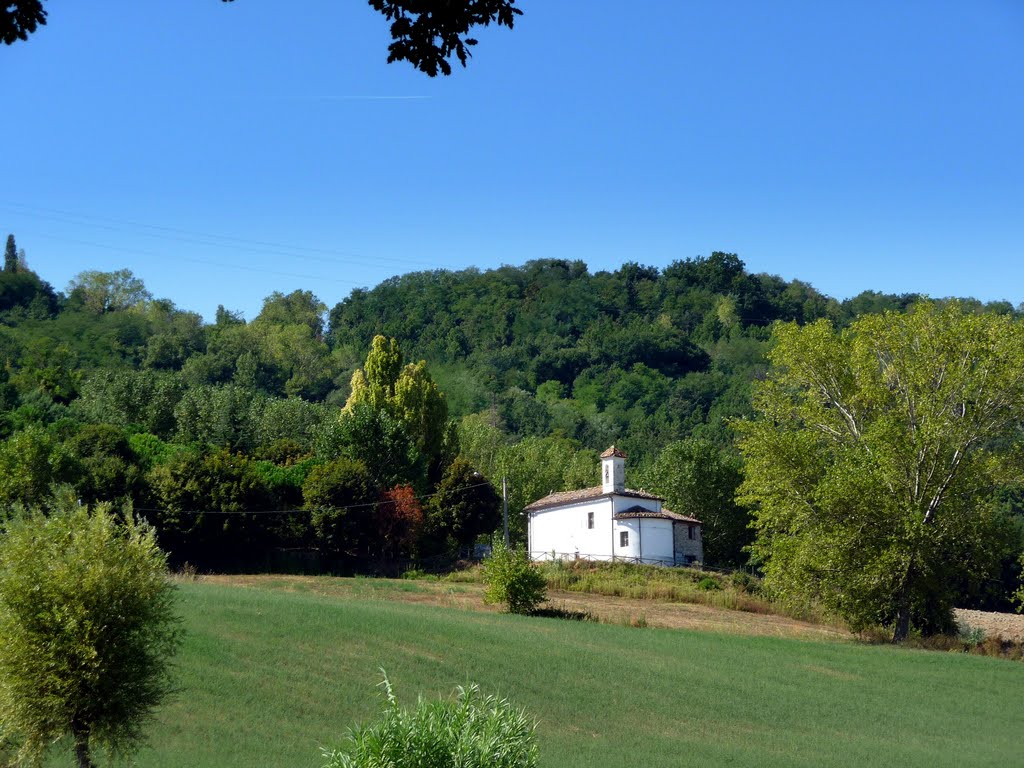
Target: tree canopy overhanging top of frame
426 33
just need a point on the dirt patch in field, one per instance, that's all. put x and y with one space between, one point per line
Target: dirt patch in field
609 610
654 613
1008 626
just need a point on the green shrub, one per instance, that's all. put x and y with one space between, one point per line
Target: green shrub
744 582
418 574
512 579
969 635
469 731
708 584
87 629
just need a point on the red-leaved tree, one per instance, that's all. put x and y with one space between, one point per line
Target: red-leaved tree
399 521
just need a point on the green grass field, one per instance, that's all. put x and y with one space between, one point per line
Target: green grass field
267 677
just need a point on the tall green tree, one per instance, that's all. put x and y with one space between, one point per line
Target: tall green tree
374 383
871 466
10 255
421 407
407 393
31 460
381 441
699 479
295 308
101 292
87 630
341 498
464 506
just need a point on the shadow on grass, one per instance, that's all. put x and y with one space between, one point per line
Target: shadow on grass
563 613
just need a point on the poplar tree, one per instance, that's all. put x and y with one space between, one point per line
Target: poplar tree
871 467
11 255
407 393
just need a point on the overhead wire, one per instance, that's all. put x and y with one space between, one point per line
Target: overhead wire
175 234
419 498
194 260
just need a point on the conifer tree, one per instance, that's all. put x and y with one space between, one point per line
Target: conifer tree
11 255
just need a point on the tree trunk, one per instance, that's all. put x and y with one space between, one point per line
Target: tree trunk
902 629
81 736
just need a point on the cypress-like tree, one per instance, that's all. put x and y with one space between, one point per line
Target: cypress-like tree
11 255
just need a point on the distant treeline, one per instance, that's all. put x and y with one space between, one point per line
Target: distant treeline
640 356
115 394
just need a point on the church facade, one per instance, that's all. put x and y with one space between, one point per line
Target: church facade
612 522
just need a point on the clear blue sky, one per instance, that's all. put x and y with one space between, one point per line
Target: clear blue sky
222 152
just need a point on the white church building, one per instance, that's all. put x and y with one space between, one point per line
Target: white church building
612 522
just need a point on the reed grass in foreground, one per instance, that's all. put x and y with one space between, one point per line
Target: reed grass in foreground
269 677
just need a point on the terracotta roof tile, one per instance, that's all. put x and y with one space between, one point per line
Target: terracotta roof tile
567 497
613 451
564 498
664 514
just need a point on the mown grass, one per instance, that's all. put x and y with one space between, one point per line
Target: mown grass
267 677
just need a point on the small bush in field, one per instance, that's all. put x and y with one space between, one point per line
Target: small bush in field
743 582
417 574
971 635
708 584
469 731
512 579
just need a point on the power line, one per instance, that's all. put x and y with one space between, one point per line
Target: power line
192 259
303 511
207 239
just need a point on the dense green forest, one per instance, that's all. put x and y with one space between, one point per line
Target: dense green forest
242 439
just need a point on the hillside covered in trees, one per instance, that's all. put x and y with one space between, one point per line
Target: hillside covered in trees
238 438
639 356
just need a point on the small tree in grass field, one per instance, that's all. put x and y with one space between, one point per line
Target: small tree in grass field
87 628
469 731
512 579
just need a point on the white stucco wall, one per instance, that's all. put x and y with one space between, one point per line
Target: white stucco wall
656 539
564 531
613 474
633 548
649 540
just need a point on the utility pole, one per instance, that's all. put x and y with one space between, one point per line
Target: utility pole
504 506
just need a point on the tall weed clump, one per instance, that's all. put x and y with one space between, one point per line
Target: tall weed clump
738 592
470 730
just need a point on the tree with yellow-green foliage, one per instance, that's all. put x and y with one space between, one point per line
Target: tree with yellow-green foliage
408 394
871 467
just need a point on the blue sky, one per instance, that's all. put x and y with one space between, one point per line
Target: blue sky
222 152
